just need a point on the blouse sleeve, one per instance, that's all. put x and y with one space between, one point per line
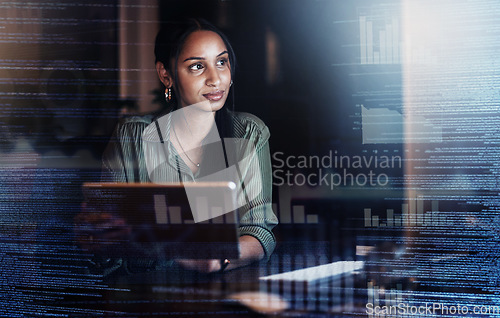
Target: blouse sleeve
123 159
258 218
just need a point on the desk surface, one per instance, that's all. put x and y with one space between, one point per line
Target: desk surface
385 279
189 294
180 293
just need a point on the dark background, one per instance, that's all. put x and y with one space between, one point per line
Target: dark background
60 93
61 97
73 85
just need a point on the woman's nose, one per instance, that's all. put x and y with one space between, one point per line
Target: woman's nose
213 78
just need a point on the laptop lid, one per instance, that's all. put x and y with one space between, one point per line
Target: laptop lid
158 219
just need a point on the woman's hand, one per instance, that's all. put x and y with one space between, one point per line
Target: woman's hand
200 265
96 231
250 251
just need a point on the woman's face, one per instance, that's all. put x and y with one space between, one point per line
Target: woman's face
203 69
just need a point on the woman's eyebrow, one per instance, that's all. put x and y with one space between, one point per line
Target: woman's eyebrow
222 53
194 58
202 58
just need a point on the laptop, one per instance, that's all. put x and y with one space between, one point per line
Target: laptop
158 219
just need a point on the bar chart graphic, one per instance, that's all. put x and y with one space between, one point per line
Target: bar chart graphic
379 39
382 40
412 213
295 215
379 297
170 214
289 213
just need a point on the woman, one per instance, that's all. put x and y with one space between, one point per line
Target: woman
195 63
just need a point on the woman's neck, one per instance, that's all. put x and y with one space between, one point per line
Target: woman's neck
194 122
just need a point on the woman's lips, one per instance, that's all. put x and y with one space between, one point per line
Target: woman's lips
214 96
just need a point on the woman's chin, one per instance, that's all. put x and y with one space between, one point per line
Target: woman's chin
215 106
206 105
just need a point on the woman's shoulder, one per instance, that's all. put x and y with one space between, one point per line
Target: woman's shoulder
136 120
247 125
130 128
248 118
142 123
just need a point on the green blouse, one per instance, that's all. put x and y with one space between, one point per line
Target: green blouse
124 161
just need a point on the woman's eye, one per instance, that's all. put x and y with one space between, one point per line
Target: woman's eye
222 62
196 67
